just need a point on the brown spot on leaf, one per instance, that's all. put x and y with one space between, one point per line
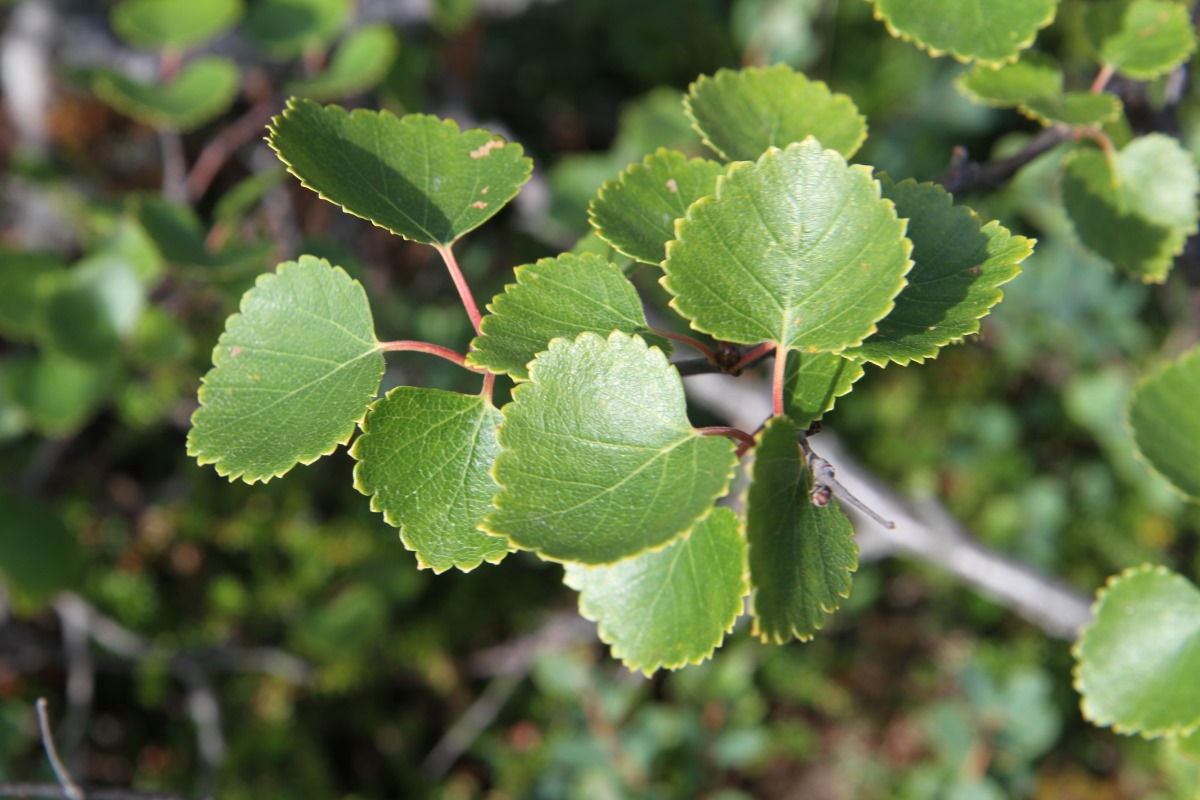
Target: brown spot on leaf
235 351
484 190
486 148
975 270
479 204
672 186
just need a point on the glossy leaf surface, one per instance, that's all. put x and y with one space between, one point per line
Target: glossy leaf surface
671 607
203 90
562 296
1136 210
599 461
636 213
292 374
991 31
1165 421
801 556
740 113
798 249
958 267
418 176
1138 660
424 458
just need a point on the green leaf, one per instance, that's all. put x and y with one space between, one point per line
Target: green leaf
741 113
801 556
293 374
60 394
38 554
423 458
1165 422
1078 109
598 459
989 31
671 607
286 28
417 176
1137 661
359 64
1136 210
636 213
97 303
797 249
958 267
203 90
173 24
562 296
1035 75
1143 38
813 383
26 278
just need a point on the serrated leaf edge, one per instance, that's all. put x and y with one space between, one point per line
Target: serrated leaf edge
728 74
1077 654
294 102
197 453
962 58
648 669
520 388
361 485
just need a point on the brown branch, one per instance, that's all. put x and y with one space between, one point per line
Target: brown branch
219 150
965 175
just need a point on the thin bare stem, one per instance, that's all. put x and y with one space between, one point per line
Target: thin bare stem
752 356
1099 137
218 151
174 166
777 380
431 349
460 283
691 342
1102 78
745 441
489 382
70 788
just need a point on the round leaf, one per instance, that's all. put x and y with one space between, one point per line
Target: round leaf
562 296
423 457
292 374
359 63
1143 38
417 176
599 461
991 31
1138 660
741 113
958 266
671 607
797 249
60 394
203 90
801 556
1165 422
285 28
171 23
94 305
636 213
1138 209
814 382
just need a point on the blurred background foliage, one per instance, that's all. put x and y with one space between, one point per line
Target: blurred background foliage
339 670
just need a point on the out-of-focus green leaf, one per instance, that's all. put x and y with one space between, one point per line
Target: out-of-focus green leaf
58 393
562 296
358 64
418 176
173 23
671 607
286 28
801 556
1138 659
1141 38
798 249
25 280
293 374
203 90
741 113
1165 421
38 554
94 306
424 459
599 461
